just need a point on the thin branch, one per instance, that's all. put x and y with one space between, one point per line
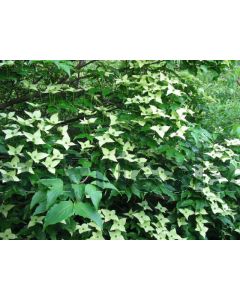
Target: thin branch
72 120
13 102
86 64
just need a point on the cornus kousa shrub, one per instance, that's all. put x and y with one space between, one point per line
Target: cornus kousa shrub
132 163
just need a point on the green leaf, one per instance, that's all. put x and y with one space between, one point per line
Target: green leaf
3 149
51 182
98 175
52 195
56 189
59 212
38 197
168 190
104 185
94 194
65 66
74 175
41 208
200 204
185 203
135 190
236 130
79 190
86 210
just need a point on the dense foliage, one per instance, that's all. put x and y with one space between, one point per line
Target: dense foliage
119 150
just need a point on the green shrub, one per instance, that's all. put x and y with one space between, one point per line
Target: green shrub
128 160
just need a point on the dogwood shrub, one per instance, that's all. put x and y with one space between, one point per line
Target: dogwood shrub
128 160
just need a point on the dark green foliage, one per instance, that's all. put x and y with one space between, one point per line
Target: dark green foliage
118 150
